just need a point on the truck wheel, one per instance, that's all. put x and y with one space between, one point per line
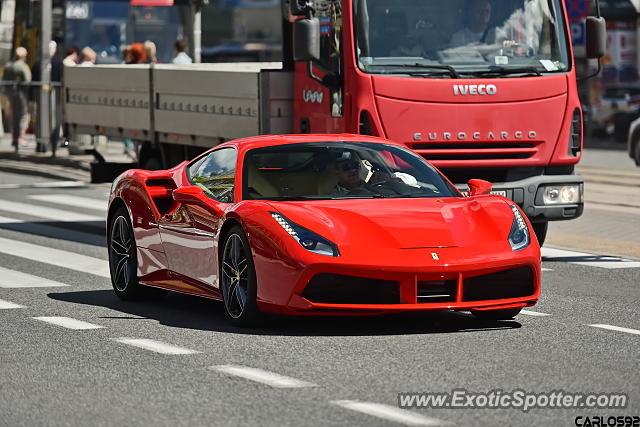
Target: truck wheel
151 163
540 228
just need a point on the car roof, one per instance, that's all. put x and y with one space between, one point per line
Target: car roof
272 140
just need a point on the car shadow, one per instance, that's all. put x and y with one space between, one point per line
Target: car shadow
184 311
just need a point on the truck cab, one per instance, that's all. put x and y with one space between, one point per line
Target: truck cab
481 88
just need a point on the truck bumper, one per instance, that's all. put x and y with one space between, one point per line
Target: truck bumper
528 194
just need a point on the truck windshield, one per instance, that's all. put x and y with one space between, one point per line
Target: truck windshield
460 38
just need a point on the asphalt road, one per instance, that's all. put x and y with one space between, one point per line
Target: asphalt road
337 371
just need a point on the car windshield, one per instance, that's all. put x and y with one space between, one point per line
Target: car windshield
340 170
460 38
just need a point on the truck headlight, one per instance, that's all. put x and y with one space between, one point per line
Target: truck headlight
519 235
306 238
562 194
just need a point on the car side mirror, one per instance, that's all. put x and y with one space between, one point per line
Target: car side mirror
191 194
478 187
596 43
306 40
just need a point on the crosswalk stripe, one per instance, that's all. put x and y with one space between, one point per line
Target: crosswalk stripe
591 260
70 200
265 377
6 305
68 322
6 220
155 346
17 279
58 184
390 413
70 260
46 212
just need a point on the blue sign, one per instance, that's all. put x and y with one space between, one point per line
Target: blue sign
578 36
577 9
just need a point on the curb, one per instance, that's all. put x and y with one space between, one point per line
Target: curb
47 170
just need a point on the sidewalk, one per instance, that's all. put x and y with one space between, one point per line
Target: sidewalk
64 166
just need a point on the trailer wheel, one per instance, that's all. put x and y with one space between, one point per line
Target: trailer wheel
151 163
149 158
540 228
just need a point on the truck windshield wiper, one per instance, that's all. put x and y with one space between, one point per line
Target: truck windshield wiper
448 69
503 71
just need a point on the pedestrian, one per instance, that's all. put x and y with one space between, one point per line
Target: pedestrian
181 57
150 52
87 57
136 54
19 73
71 60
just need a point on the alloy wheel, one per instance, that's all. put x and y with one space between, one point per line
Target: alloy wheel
234 276
121 258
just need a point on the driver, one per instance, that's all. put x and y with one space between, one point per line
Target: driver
477 29
347 170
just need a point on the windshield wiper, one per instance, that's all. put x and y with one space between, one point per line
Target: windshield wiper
448 69
503 71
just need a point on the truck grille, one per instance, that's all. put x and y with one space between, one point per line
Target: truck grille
476 151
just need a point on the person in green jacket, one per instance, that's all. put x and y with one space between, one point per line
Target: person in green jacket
18 72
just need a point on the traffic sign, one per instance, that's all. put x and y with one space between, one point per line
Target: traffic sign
578 36
577 9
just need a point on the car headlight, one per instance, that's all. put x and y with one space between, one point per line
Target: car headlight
562 194
519 235
306 238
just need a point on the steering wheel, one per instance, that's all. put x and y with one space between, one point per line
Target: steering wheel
514 46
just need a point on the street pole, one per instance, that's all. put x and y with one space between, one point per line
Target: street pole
44 108
197 33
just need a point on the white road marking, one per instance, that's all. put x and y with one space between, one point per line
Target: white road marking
260 376
47 213
617 328
9 186
70 260
17 279
69 323
547 269
59 184
157 346
591 260
5 305
70 200
390 413
534 313
5 220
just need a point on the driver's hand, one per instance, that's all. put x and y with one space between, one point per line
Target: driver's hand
378 177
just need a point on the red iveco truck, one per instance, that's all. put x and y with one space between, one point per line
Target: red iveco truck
481 88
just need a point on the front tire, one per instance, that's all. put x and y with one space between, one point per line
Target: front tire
505 314
123 260
238 279
540 228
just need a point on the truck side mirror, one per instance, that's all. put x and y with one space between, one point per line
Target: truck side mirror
306 40
301 7
478 187
596 30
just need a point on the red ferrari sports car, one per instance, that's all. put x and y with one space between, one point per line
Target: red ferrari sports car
320 224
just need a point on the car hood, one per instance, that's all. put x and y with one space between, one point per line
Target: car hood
404 223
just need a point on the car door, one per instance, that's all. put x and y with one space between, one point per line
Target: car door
188 233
